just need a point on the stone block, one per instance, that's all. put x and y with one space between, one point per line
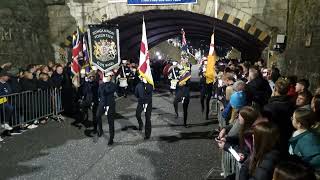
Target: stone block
234 12
247 10
209 8
242 1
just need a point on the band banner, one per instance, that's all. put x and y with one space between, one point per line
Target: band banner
160 2
104 46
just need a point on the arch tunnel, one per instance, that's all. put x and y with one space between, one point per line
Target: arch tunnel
165 24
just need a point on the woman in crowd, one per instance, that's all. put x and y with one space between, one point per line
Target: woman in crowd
262 161
315 106
239 135
304 143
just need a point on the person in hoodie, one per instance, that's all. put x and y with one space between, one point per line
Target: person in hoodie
265 156
106 106
279 111
305 143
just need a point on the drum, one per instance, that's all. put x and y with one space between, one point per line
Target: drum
123 82
173 84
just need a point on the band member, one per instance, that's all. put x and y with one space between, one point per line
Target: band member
173 76
124 73
143 92
183 96
106 105
133 79
205 89
89 96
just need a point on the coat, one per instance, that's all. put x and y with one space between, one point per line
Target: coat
280 109
259 90
307 146
264 171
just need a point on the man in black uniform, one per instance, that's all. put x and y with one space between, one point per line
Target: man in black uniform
205 89
89 97
106 105
183 96
143 92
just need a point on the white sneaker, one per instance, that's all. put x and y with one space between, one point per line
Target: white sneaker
36 122
6 127
32 126
1 139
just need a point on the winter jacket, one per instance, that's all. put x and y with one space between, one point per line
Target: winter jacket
264 171
307 146
259 90
280 109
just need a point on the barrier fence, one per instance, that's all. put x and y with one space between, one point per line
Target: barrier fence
229 165
28 106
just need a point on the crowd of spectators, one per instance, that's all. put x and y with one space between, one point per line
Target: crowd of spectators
271 121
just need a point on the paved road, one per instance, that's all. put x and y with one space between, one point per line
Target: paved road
61 151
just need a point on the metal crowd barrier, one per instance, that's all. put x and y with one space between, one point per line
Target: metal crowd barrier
229 165
26 107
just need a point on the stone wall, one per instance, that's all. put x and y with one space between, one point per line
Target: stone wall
301 59
24 32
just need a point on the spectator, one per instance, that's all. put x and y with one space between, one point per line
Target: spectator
303 142
259 90
43 82
292 86
28 83
315 106
279 110
293 171
304 100
57 77
275 74
302 85
264 158
239 134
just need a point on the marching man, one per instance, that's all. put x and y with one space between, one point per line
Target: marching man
106 105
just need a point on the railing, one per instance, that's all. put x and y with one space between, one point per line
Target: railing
26 107
229 165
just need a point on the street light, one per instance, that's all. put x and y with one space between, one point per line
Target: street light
159 57
158 53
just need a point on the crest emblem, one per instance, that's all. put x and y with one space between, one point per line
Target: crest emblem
105 50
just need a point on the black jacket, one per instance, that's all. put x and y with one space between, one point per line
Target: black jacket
259 91
144 93
279 110
28 84
44 85
106 93
57 80
264 170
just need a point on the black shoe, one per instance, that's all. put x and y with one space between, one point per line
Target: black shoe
146 137
99 133
110 142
